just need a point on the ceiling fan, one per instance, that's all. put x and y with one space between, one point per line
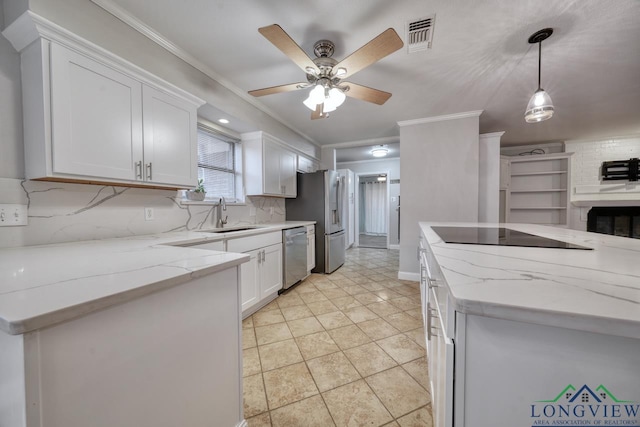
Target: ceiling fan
326 75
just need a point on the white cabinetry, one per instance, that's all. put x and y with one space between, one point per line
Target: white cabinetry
92 117
537 192
261 277
439 323
311 248
269 168
306 165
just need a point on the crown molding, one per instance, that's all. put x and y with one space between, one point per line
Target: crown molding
364 142
443 118
149 32
491 135
380 160
29 27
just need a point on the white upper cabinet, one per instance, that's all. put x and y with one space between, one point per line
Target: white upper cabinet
91 116
270 169
96 118
170 139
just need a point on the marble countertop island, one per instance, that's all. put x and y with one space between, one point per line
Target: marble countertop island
592 290
49 284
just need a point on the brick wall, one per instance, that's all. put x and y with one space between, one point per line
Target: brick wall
585 169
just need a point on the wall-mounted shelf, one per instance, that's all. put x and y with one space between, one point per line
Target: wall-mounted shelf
538 189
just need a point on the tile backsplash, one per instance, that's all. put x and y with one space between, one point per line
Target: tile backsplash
61 212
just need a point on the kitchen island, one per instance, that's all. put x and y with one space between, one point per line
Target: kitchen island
525 336
138 331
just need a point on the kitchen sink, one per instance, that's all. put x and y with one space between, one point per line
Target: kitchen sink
231 229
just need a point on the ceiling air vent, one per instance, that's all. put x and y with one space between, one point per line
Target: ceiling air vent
419 34
394 181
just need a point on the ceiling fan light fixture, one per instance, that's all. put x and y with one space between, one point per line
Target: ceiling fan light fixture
310 104
380 151
540 106
341 72
334 100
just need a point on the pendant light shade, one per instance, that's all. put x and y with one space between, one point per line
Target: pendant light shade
540 106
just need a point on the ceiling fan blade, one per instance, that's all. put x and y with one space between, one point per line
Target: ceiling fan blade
280 39
367 94
384 44
318 113
278 89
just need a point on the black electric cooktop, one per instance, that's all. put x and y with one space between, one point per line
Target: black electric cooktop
500 237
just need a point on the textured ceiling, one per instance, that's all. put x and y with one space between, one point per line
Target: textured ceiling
480 60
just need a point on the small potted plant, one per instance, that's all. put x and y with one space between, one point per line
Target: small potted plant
198 192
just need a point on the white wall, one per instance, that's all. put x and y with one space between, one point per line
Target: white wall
489 177
61 212
439 176
392 166
11 148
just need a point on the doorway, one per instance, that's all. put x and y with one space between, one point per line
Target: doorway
373 215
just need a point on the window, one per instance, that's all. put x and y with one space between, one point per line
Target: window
217 163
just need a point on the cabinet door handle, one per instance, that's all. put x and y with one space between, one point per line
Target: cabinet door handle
260 257
428 310
264 255
149 167
139 169
430 326
432 283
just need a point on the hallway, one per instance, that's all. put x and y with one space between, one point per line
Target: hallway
345 349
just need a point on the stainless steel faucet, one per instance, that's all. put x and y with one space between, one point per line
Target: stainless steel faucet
222 206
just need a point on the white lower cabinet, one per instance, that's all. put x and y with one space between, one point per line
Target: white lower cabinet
261 277
311 248
487 371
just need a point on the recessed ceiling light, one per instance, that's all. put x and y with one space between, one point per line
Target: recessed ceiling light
380 151
382 178
223 121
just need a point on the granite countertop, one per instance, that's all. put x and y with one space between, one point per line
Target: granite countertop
591 290
49 284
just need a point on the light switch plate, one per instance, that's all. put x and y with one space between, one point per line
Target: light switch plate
13 215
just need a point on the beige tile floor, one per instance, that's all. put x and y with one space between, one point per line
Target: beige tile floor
345 349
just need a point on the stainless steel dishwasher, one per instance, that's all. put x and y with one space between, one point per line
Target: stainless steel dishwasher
295 256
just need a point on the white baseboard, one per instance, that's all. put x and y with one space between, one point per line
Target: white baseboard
404 275
244 423
396 247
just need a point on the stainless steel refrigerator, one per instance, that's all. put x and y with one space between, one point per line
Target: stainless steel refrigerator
320 199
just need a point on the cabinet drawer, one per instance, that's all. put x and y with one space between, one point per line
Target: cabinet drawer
249 243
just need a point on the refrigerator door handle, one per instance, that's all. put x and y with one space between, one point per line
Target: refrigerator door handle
338 202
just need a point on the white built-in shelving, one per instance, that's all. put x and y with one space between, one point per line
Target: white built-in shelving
537 191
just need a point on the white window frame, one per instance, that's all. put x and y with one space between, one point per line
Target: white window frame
237 157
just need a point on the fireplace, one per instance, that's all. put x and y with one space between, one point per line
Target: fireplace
618 221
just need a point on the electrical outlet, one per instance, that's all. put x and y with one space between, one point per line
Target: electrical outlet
148 214
13 215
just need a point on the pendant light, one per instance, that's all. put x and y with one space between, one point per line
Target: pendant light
540 107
